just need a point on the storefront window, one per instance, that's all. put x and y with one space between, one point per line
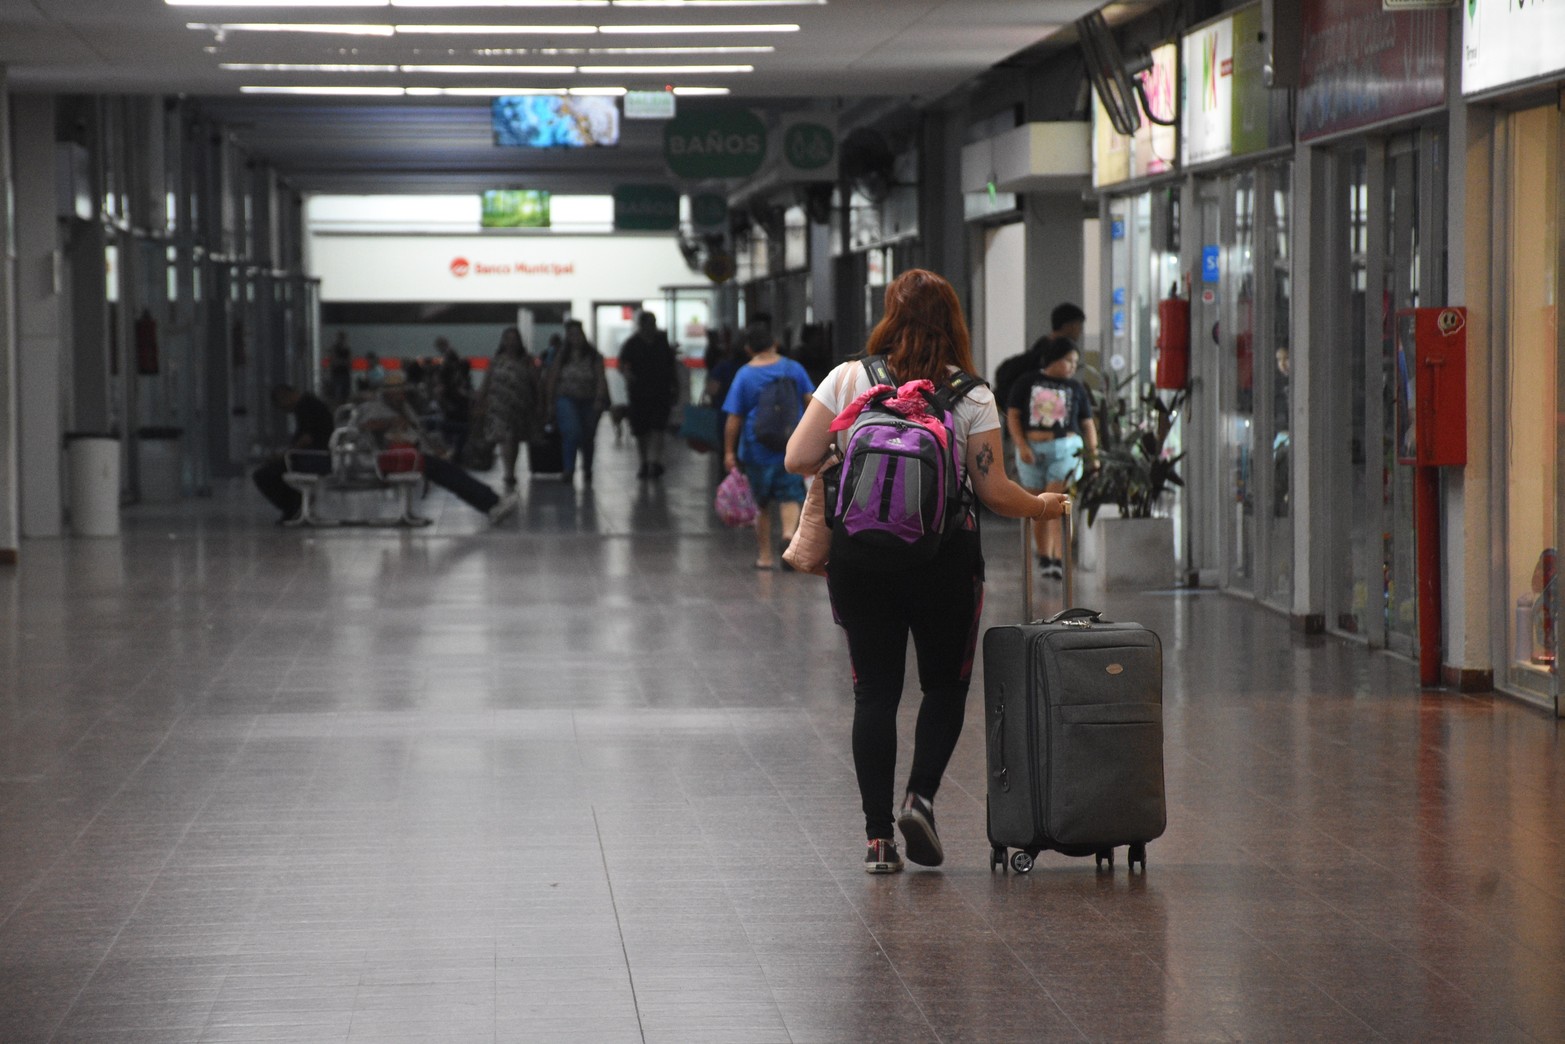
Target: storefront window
1355 559
1238 426
1532 279
1279 501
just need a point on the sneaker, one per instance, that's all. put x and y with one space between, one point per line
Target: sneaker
917 823
1055 570
503 508
657 470
882 857
644 471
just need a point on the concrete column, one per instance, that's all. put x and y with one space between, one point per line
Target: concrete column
942 227
40 348
10 529
1469 558
823 291
1306 362
1054 257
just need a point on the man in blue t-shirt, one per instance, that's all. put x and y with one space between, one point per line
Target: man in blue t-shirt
763 467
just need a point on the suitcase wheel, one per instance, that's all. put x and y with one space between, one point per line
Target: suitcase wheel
1138 854
996 858
1021 861
1105 855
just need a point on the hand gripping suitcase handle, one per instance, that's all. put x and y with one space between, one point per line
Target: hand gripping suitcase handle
1068 564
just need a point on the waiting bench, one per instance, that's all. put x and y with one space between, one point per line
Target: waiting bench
352 464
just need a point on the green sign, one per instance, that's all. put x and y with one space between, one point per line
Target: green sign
646 208
708 210
515 208
728 144
809 146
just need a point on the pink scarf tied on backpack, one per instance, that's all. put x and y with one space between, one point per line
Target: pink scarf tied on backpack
908 400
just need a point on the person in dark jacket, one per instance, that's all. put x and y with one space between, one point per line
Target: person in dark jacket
651 372
312 428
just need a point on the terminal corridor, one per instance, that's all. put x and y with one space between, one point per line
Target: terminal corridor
585 776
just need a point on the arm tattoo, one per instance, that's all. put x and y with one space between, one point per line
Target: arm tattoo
985 459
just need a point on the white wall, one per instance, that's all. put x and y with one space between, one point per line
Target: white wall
580 270
1005 296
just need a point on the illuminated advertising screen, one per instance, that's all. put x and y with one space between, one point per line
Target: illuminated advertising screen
545 121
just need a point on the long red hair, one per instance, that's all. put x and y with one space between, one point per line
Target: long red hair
922 333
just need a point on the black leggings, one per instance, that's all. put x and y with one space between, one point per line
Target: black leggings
939 605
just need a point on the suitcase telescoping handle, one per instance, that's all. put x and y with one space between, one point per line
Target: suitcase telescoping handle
1068 566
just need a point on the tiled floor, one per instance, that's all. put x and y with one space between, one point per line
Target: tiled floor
586 778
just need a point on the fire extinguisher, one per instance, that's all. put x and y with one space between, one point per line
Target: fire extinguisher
146 344
1173 341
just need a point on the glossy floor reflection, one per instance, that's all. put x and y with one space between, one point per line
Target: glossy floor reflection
586 777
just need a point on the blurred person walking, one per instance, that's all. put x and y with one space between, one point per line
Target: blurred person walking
508 400
651 372
576 392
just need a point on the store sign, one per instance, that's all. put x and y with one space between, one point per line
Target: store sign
1504 42
1209 92
462 268
1154 148
646 208
1211 266
1363 65
809 147
1228 107
729 144
649 105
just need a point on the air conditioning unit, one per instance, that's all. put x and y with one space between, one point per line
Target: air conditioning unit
1035 157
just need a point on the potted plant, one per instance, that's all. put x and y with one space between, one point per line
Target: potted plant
1136 471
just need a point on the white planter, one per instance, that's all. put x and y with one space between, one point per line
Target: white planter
1135 553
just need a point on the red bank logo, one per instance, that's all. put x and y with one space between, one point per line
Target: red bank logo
459 267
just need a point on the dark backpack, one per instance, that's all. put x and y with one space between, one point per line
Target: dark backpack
777 413
898 493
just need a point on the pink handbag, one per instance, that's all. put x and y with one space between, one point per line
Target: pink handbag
735 503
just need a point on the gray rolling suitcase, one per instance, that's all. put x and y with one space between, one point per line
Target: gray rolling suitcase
1074 712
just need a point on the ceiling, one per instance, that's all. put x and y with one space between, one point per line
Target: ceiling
844 53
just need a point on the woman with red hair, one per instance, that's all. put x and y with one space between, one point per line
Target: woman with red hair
922 337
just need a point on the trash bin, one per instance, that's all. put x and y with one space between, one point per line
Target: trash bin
162 474
95 483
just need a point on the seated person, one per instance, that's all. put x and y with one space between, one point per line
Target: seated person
312 427
391 422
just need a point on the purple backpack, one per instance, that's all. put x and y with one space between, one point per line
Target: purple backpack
902 488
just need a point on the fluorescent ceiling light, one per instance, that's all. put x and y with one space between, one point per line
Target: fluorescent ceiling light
662 70
499 3
386 3
275 3
285 27
256 89
481 92
253 67
708 28
468 92
492 70
719 3
498 30
713 49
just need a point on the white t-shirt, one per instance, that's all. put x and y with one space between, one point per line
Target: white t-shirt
975 413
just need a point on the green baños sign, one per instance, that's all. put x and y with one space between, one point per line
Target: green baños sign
728 144
646 208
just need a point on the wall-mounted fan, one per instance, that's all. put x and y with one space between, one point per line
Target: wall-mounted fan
868 164
1116 88
816 199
